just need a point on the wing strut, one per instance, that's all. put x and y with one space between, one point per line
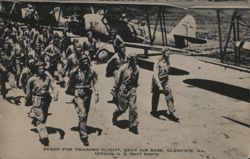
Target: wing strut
105 22
59 16
238 36
162 29
228 37
164 24
13 6
149 30
158 17
220 40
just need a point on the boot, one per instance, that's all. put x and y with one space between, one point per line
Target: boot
114 119
85 141
45 141
134 130
173 117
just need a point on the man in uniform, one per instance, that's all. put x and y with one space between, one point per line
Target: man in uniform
11 32
19 62
116 39
31 15
55 60
65 43
160 84
27 72
43 39
73 59
38 50
125 87
83 80
142 33
124 18
38 92
7 69
71 48
90 45
19 30
28 34
116 61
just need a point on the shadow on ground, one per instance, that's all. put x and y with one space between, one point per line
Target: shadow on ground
90 130
122 124
237 122
149 65
178 72
166 115
221 88
52 130
14 100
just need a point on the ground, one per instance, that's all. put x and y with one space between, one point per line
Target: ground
212 103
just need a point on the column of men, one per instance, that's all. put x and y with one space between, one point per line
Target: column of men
37 59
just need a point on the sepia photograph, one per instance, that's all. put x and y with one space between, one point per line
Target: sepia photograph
125 79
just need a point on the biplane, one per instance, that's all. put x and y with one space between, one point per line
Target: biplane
237 13
101 21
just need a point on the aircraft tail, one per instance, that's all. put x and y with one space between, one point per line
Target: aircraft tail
186 27
185 32
57 12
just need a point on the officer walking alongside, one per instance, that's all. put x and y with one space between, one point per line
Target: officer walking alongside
160 84
125 87
38 92
82 81
113 66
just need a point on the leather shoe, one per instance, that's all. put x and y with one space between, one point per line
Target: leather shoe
45 141
154 114
85 141
174 118
114 120
134 130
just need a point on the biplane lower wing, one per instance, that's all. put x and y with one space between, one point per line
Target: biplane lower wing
153 47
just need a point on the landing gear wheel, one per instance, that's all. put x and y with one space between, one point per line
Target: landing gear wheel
102 56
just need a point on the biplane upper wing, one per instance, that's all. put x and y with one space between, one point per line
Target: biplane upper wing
242 8
130 3
222 7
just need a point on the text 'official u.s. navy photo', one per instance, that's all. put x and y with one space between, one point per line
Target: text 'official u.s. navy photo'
125 79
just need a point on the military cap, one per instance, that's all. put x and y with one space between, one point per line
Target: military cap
31 60
40 63
84 58
89 33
